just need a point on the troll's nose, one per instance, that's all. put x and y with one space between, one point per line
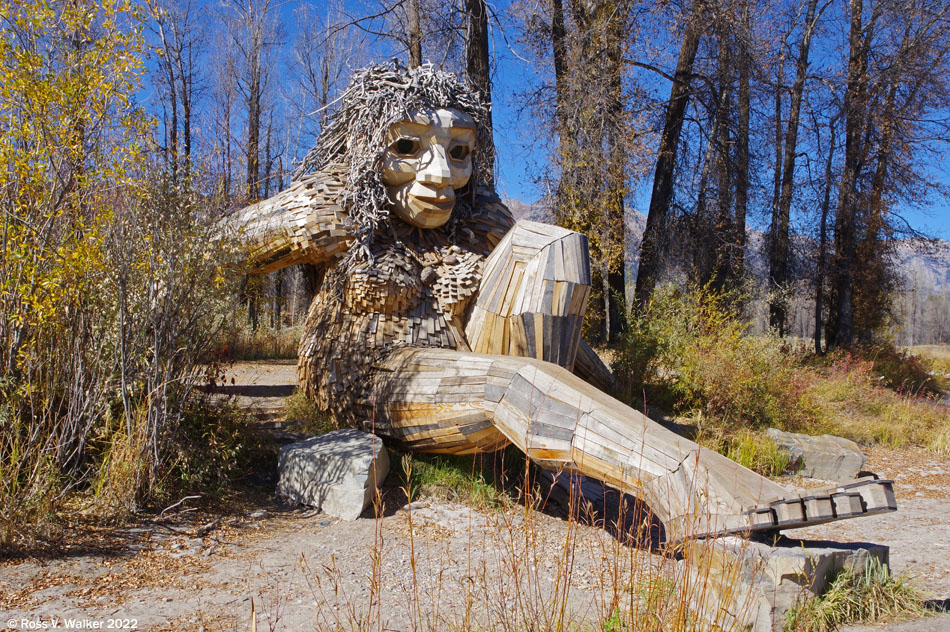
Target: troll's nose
435 167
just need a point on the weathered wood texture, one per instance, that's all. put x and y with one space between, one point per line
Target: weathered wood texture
302 224
415 291
461 339
533 295
450 401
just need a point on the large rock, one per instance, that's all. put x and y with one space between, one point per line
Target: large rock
337 472
751 585
827 457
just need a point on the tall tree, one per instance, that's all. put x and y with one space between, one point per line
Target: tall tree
779 231
176 25
662 195
414 32
224 96
820 272
253 33
895 103
477 63
587 41
326 49
736 256
855 100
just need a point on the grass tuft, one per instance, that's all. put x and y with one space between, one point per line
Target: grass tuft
758 452
299 407
852 597
940 444
481 481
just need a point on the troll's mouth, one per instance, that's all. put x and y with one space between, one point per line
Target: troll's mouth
439 203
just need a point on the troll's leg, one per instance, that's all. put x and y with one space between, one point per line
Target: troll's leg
448 401
532 299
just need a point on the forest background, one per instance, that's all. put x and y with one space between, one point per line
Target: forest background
800 143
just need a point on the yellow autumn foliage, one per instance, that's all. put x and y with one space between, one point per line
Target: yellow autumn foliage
107 288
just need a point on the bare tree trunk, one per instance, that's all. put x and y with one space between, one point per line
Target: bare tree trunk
415 35
268 160
845 229
186 78
253 120
723 227
823 239
278 304
779 135
228 161
561 81
477 64
737 260
662 195
779 251
167 65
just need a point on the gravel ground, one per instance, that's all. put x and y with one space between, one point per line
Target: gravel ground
299 570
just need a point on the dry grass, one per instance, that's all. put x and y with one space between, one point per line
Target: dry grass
521 575
853 596
933 352
939 359
855 404
239 342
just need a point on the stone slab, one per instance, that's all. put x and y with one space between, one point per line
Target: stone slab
826 457
752 585
337 472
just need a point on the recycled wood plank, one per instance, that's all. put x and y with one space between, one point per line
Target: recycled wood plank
479 355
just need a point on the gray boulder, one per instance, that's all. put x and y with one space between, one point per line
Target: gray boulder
337 472
827 457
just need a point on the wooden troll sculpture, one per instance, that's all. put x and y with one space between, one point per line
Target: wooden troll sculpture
444 325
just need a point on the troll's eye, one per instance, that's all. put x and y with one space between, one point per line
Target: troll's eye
460 152
406 147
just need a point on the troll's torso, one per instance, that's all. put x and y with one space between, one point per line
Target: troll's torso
416 291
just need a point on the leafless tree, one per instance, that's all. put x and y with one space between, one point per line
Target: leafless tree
785 169
178 30
253 30
658 215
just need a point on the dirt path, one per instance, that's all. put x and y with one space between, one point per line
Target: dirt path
306 571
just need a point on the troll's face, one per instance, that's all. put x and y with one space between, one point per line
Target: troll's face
429 156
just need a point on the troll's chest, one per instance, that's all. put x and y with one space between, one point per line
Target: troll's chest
401 277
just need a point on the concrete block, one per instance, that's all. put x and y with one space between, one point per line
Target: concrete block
337 472
751 585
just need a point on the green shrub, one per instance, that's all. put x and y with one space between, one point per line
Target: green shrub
690 351
214 446
210 446
758 452
299 407
480 480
